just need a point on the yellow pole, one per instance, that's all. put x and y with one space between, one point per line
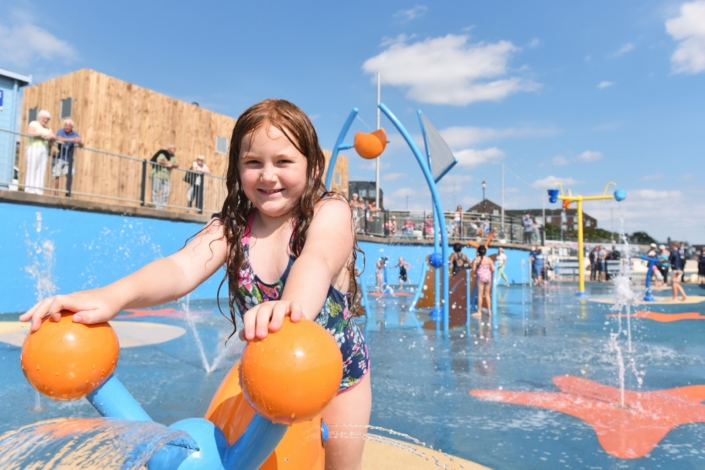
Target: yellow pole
581 271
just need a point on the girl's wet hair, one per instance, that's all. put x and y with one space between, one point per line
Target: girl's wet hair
457 247
298 129
481 250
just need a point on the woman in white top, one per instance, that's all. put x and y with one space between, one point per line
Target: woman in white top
37 153
502 259
195 177
458 222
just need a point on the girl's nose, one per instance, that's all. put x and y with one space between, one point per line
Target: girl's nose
267 174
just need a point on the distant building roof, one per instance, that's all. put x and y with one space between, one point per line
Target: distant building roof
23 79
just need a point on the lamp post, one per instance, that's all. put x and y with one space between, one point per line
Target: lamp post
484 206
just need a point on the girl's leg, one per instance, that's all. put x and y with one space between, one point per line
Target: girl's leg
488 298
349 412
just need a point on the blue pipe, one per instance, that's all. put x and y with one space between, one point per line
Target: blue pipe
437 205
652 262
112 400
495 280
468 300
419 290
339 145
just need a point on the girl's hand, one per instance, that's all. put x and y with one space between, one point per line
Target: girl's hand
89 307
268 316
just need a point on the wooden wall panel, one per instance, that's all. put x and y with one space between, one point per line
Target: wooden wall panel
123 118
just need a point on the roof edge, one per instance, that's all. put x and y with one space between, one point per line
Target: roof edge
23 79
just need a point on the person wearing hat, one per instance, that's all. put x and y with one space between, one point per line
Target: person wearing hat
652 251
194 176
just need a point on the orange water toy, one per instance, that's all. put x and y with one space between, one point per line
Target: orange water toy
66 360
291 376
288 377
370 145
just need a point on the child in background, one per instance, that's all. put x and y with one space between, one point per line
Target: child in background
483 267
288 247
403 266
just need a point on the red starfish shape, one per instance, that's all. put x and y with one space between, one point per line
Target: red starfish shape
627 432
665 317
161 312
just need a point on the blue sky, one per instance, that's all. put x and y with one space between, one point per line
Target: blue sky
582 93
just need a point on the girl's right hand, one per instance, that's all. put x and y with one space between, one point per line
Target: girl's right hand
89 307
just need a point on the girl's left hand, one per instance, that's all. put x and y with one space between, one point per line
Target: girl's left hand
268 317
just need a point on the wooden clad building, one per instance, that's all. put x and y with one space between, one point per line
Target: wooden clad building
115 116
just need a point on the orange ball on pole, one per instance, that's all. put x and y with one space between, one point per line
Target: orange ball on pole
370 145
66 360
291 375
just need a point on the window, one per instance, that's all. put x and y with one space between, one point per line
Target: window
495 212
338 178
32 115
66 108
221 144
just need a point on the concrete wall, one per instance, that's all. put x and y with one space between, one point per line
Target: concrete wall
46 249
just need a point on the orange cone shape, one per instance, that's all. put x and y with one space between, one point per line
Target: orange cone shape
370 145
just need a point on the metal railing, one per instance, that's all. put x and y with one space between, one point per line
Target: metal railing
92 174
418 225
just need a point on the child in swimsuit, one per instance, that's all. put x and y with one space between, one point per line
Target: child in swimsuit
457 259
403 266
483 267
288 248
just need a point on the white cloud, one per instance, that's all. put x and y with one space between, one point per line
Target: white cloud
411 14
657 176
473 157
560 161
688 30
654 194
687 177
393 176
549 182
605 84
589 156
448 70
536 42
23 43
460 136
628 47
403 192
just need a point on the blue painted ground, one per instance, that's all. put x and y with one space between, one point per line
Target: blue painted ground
421 380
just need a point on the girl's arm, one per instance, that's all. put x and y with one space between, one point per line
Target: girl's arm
160 281
322 263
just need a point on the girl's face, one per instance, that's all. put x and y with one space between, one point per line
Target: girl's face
272 171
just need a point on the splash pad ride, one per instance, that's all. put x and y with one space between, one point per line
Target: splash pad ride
263 414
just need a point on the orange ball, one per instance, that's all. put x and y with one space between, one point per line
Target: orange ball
66 360
291 375
370 145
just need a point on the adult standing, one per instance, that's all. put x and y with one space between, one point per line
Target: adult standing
701 266
528 224
538 266
458 222
162 163
593 264
663 264
195 178
502 260
67 139
677 265
37 152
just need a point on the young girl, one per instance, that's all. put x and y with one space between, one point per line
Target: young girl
288 249
403 266
483 267
458 261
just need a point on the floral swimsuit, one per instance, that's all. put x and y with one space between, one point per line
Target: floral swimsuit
334 316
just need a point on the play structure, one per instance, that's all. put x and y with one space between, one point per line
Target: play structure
648 297
463 292
438 161
568 199
264 415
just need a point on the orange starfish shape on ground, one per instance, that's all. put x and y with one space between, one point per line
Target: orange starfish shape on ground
665 317
627 432
161 312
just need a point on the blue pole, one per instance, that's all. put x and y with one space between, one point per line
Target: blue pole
419 289
339 145
648 297
112 400
436 203
495 279
468 302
